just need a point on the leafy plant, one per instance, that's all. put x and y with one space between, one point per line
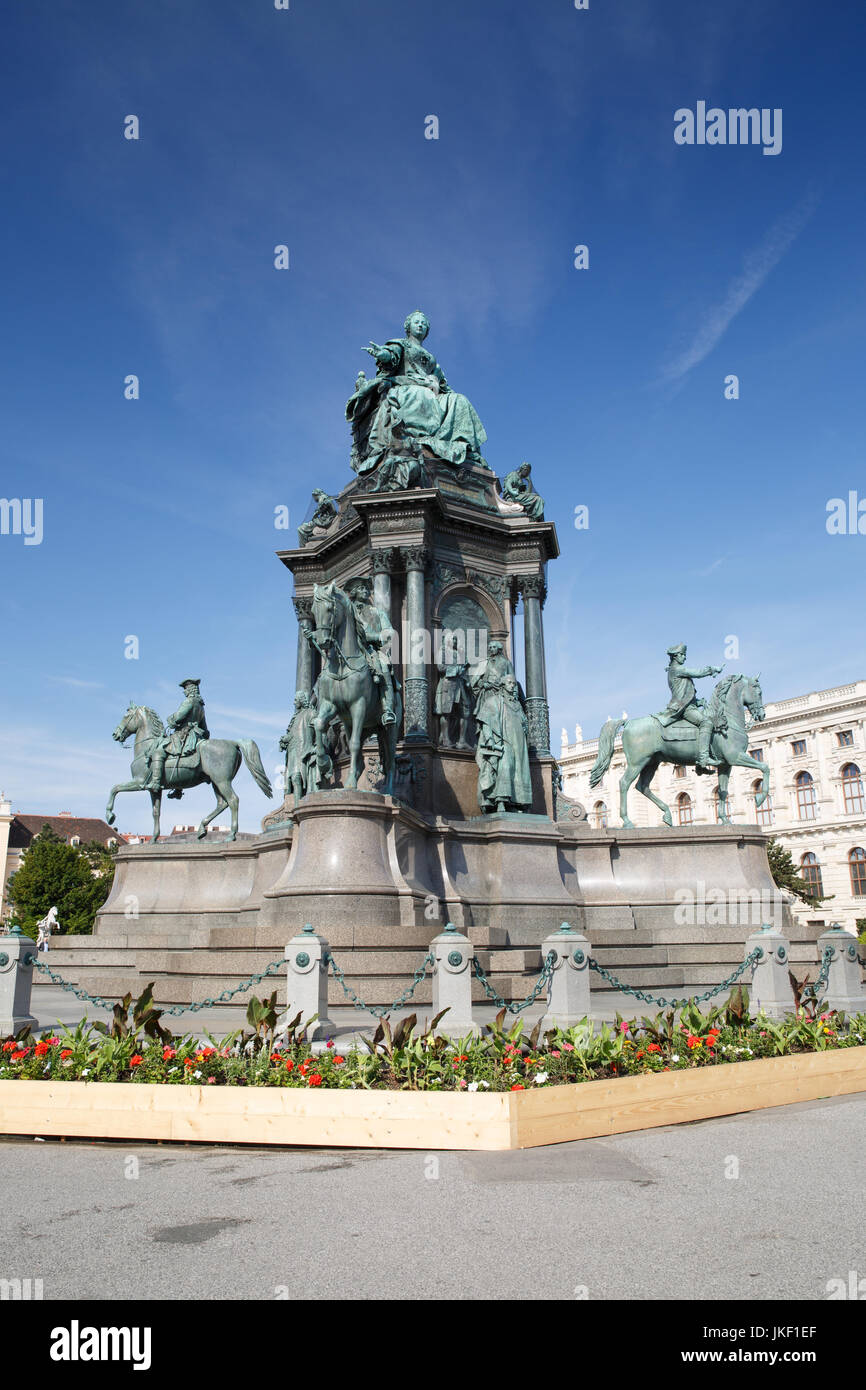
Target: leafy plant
144 1020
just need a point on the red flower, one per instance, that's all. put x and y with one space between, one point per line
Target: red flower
18 1056
8 1046
290 1066
517 1087
67 1052
653 1047
41 1049
338 1060
314 1080
168 1053
188 1062
638 1055
137 1060
692 1041
53 1042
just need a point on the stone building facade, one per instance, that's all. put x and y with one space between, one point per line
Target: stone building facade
815 745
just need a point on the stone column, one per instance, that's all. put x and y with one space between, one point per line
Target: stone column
532 587
415 695
383 568
305 673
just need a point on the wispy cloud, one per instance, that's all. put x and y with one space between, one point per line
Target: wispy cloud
79 685
757 265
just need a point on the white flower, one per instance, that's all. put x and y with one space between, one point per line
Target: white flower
198 1073
473 1086
485 1084
171 1069
675 1057
86 1071
541 1077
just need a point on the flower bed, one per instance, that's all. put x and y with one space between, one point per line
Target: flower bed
137 1050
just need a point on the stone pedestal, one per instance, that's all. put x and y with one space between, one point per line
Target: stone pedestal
17 954
356 857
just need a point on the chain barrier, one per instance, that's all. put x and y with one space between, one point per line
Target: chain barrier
676 1003
514 1008
177 1009
814 991
379 1011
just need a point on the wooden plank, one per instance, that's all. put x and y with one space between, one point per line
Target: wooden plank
422 1119
595 1109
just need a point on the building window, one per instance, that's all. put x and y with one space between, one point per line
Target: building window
798 747
685 809
757 754
857 865
679 770
810 870
599 815
806 803
852 789
75 842
764 812
845 738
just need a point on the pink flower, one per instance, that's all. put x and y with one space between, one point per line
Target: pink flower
568 1047
556 1053
623 1027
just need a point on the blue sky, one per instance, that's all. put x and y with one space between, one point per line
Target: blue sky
306 126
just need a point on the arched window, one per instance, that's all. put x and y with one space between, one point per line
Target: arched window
599 815
852 789
685 809
807 807
764 812
810 870
857 865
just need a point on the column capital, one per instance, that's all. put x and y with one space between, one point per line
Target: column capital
415 557
532 586
303 609
384 560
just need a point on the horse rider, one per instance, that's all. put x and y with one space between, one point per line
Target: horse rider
185 730
684 703
375 635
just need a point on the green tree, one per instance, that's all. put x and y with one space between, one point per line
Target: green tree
785 875
54 874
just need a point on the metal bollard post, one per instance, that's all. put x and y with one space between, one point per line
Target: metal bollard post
17 954
844 990
569 998
770 989
307 982
452 982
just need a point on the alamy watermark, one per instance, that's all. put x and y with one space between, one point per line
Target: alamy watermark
22 516
736 126
701 906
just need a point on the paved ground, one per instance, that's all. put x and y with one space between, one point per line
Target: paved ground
642 1216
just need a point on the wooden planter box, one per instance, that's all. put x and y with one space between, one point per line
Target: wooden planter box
422 1119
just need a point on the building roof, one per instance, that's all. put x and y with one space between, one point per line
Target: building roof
85 828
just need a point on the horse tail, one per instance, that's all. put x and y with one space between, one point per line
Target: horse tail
606 740
253 760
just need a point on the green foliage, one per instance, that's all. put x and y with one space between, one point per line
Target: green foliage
785 874
132 1019
54 874
136 1049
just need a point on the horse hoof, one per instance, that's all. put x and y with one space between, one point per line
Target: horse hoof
628 824
202 834
109 818
667 819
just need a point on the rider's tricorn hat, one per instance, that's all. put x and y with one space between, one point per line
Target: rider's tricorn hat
361 582
675 651
190 680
